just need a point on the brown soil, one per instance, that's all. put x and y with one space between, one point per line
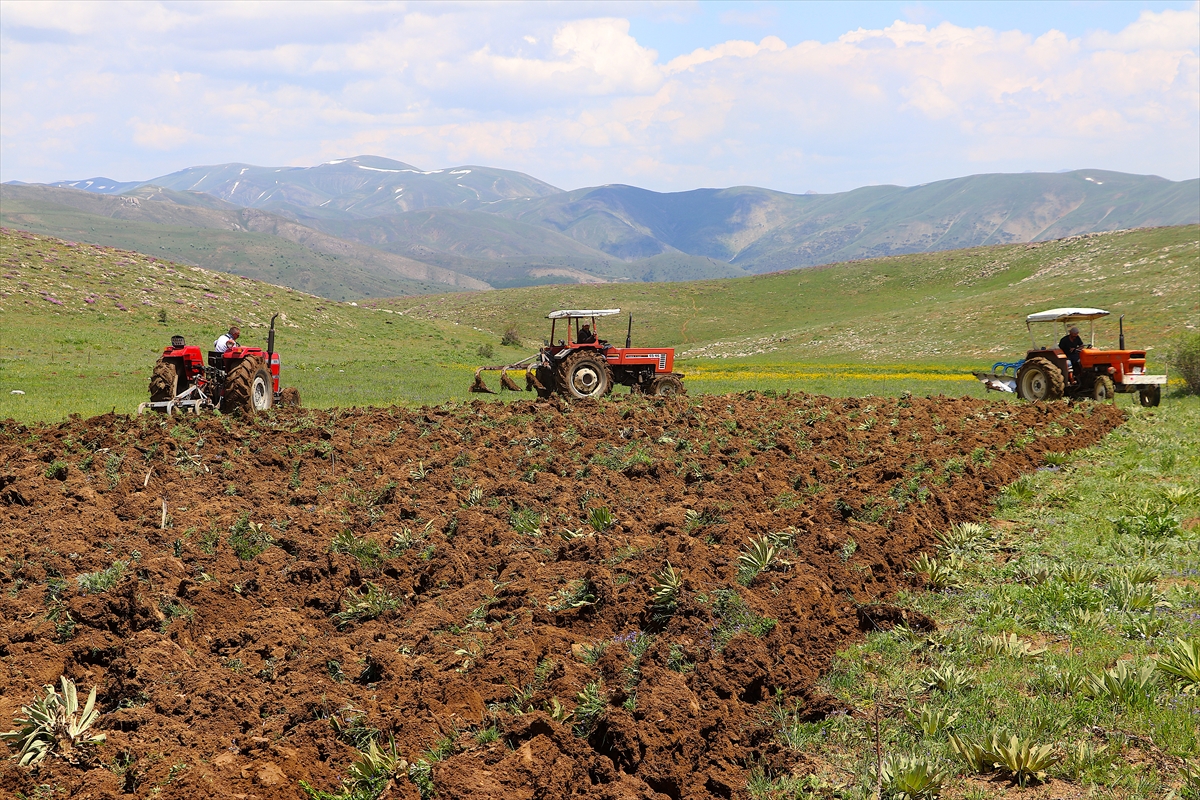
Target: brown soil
236 696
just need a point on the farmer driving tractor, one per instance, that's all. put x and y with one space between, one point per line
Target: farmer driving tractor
227 340
1072 346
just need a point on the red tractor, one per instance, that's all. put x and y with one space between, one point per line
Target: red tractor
581 364
241 378
1047 373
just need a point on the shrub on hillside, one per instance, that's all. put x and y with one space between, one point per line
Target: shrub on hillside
512 337
1184 361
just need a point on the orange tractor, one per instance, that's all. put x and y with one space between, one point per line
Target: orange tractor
580 364
1047 373
241 378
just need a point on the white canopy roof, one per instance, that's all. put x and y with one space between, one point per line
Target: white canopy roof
600 312
1066 315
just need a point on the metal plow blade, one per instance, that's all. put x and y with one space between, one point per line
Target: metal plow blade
505 381
997 383
1002 378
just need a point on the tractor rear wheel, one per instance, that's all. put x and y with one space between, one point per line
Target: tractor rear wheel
1038 379
583 375
666 386
1150 396
248 387
164 381
1103 389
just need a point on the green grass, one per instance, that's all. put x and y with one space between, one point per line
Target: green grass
1082 603
913 323
955 309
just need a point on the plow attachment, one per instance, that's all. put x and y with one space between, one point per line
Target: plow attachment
1002 378
193 400
505 381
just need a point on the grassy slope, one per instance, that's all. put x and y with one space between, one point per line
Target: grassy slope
206 237
906 323
1057 583
89 358
959 307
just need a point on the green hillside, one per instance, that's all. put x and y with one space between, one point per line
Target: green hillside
70 355
959 306
198 229
914 323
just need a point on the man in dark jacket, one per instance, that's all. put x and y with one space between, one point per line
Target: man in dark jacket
1072 346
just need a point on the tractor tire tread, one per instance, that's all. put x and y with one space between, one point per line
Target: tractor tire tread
666 385
239 386
562 376
1056 384
164 381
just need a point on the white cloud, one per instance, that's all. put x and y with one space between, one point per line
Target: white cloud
158 136
572 97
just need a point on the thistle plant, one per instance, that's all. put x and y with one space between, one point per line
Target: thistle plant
1022 758
936 573
576 594
1009 645
947 678
1033 574
371 602
591 706
756 558
666 590
1180 664
1124 683
1125 595
931 721
601 519
912 778
55 724
1077 574
966 537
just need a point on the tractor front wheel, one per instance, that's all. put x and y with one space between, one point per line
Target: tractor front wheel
1103 389
164 381
666 386
585 375
1038 380
249 387
1150 396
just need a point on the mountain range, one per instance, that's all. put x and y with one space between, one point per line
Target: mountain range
370 226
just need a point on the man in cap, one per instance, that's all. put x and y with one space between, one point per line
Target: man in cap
1072 347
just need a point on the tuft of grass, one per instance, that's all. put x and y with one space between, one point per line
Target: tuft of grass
591 705
371 602
248 539
102 580
364 550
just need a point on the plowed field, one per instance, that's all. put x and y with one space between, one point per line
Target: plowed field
513 551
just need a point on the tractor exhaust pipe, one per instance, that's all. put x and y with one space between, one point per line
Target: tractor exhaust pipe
629 333
1121 325
271 340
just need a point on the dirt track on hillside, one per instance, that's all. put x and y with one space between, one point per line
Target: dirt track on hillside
220 677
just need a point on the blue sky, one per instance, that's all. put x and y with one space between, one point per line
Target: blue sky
681 29
670 96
